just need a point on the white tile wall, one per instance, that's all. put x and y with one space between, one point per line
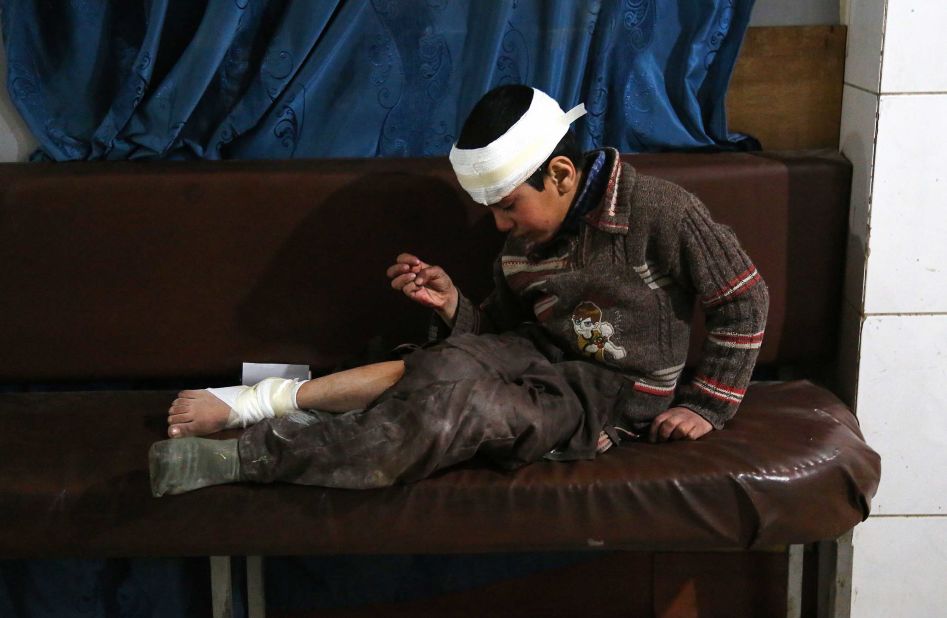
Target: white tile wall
907 265
863 55
857 143
902 408
900 361
795 13
911 64
900 568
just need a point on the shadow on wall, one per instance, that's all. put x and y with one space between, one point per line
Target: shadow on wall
327 288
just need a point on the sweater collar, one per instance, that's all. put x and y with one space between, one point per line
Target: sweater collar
611 214
595 173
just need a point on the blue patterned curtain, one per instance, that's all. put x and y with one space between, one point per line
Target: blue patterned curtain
279 79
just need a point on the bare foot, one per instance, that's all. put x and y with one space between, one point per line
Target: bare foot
196 413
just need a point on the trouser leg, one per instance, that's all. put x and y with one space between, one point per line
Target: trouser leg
449 407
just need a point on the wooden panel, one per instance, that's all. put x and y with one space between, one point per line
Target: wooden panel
786 88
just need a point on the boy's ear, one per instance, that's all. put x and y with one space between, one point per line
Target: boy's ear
563 174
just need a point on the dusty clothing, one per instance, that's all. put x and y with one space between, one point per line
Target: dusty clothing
495 397
620 290
586 333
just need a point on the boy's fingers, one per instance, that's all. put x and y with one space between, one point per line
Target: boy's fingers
667 429
412 261
401 281
653 430
702 429
407 258
419 294
678 425
432 274
680 431
397 269
657 428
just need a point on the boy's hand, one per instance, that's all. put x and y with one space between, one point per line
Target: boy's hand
424 284
678 424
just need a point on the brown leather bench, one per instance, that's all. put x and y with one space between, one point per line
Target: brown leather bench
154 276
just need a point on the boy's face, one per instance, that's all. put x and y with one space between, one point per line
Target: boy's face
534 215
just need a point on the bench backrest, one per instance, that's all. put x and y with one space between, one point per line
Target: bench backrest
169 270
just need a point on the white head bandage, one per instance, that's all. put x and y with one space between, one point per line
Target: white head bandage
491 173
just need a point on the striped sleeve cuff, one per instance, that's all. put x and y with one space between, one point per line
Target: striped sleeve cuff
466 320
715 402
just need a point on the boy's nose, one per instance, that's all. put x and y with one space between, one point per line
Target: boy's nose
503 223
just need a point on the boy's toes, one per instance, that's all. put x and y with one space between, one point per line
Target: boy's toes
181 430
180 417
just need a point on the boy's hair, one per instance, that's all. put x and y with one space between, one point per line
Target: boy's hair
496 112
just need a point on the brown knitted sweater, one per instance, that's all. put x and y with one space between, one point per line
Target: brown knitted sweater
620 290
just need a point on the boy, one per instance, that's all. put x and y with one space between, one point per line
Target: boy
580 345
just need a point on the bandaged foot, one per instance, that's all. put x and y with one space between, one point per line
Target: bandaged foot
199 413
179 466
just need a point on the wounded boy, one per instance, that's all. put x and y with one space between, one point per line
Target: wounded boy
581 344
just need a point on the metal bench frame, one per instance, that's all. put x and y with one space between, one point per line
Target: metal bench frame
834 577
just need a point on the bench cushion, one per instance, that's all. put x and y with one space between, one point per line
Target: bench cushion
791 467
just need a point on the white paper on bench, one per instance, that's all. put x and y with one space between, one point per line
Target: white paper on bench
254 372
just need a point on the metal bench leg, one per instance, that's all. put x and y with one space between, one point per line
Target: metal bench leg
794 581
256 599
835 577
221 587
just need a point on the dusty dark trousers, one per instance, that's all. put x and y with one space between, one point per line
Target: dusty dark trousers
494 397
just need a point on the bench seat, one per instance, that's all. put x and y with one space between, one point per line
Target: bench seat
790 468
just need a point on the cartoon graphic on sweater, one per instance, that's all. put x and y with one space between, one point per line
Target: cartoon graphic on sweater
594 335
